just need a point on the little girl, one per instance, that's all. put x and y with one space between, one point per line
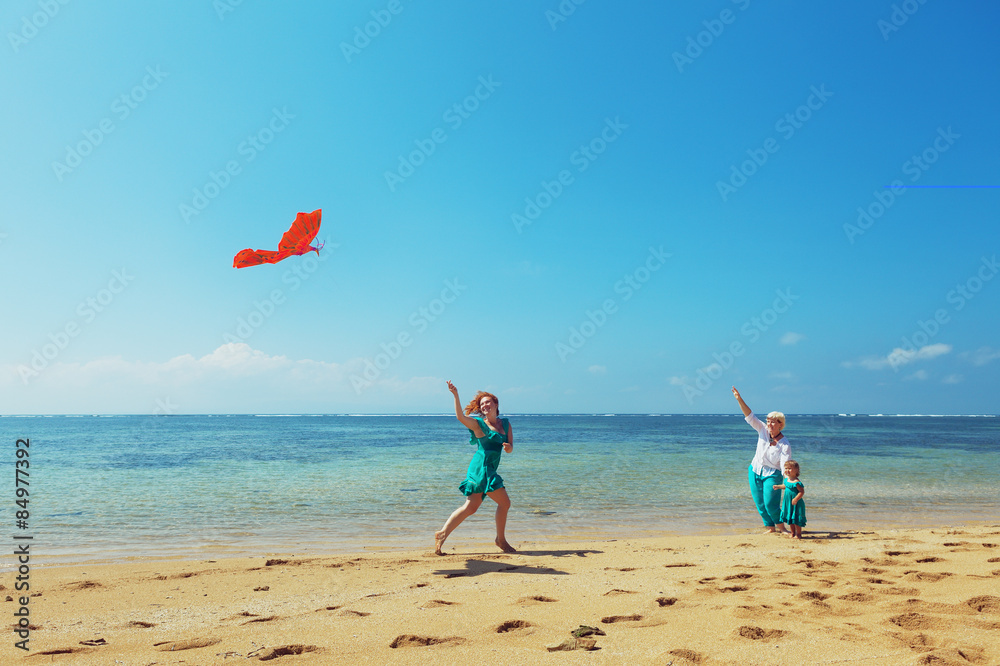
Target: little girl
793 507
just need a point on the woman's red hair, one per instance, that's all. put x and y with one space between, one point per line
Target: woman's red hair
473 406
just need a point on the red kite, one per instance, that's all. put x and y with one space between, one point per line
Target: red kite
295 241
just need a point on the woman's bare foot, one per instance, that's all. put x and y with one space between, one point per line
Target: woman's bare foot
439 538
504 546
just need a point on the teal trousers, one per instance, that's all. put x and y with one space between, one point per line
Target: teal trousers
767 499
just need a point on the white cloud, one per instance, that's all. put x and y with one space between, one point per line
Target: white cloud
984 355
952 379
899 357
597 369
791 338
782 375
918 375
233 378
678 381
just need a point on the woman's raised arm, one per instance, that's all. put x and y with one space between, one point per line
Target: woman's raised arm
743 405
469 423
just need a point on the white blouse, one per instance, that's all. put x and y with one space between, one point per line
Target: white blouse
768 459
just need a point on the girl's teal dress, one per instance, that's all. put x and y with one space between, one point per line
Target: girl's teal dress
482 476
793 515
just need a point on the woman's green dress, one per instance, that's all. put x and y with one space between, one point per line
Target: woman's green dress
482 476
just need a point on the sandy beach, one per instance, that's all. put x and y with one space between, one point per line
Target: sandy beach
901 596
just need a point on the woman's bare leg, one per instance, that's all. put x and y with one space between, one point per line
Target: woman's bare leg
471 505
503 506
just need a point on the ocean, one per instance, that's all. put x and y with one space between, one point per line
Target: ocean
116 487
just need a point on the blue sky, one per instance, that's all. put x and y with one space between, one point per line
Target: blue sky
626 207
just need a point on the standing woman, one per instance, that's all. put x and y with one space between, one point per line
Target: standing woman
773 451
493 435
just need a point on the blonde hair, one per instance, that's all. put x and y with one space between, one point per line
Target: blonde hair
779 416
794 464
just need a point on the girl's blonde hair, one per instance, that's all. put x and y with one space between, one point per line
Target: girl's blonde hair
793 464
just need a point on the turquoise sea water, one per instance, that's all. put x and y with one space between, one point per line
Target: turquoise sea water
196 486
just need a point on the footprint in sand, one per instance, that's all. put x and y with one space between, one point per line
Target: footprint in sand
83 585
328 608
64 650
625 569
438 603
140 624
857 597
353 613
917 621
615 592
734 588
679 564
984 604
187 644
878 581
815 596
612 619
739 576
536 599
269 618
666 601
759 634
689 656
926 560
918 576
285 650
513 625
409 640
